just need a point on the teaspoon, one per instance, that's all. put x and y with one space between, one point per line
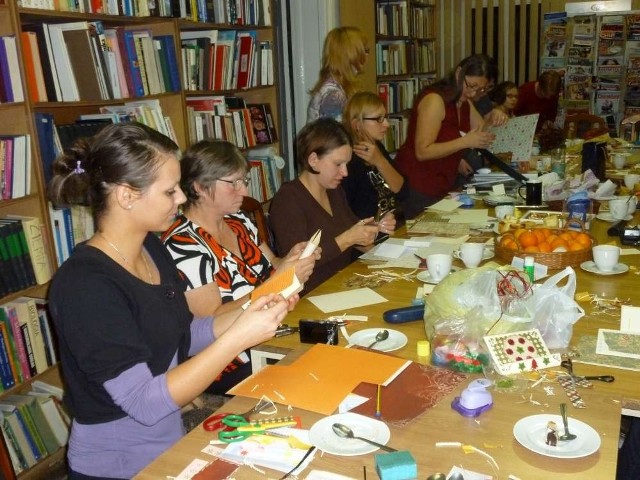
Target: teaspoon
345 432
380 337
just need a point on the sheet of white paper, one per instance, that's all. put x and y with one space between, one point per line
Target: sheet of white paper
389 250
445 205
630 318
360 297
469 216
192 469
629 251
417 242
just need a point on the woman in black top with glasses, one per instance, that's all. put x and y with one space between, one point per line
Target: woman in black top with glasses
373 185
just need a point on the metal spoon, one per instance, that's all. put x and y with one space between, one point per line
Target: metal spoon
567 435
437 476
456 476
345 432
380 337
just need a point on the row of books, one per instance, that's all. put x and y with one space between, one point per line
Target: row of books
398 18
398 57
34 424
10 81
70 226
23 255
15 166
235 12
84 61
231 119
397 132
27 343
399 95
225 60
265 173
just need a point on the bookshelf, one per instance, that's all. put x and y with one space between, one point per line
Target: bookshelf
244 18
403 60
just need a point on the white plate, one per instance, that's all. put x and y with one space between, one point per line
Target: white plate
531 433
486 255
425 276
607 217
366 337
590 267
323 437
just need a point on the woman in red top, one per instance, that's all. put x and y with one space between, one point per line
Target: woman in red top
443 124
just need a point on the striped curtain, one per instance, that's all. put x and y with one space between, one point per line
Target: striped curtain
507 30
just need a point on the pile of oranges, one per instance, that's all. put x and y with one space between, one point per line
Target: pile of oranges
545 240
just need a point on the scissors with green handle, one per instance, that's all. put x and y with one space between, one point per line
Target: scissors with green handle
243 429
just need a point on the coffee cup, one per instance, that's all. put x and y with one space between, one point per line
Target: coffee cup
439 265
533 192
503 211
630 180
606 257
471 254
619 207
619 160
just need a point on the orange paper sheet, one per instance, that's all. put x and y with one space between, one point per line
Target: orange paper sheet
285 283
321 378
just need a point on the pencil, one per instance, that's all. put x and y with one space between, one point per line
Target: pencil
378 405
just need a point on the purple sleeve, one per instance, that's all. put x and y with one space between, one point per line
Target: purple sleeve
201 335
142 396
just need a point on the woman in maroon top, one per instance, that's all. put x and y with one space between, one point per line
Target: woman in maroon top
443 124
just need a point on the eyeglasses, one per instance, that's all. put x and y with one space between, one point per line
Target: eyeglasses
238 183
475 88
379 119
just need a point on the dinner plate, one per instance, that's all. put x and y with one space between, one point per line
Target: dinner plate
496 199
486 255
607 217
366 337
590 267
425 276
531 433
323 437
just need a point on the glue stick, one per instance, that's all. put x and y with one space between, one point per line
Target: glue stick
529 268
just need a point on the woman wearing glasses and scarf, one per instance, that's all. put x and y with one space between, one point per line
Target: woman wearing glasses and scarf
373 186
216 246
444 123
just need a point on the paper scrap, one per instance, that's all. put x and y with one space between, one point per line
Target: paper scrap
445 205
190 470
389 250
630 318
498 189
618 343
360 297
351 401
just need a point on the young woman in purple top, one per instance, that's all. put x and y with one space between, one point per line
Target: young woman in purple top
131 352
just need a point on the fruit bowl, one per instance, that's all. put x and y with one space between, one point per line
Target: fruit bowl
554 248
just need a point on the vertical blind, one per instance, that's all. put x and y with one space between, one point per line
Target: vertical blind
507 30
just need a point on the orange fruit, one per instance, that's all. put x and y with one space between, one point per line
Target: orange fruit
539 235
519 232
575 246
552 238
544 247
545 232
566 236
532 249
528 239
509 243
584 239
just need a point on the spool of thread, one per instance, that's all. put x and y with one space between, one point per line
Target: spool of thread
424 348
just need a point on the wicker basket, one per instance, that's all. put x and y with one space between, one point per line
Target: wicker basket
553 260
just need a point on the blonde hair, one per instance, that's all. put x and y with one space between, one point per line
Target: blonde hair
343 56
358 106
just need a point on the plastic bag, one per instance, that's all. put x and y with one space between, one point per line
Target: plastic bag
554 310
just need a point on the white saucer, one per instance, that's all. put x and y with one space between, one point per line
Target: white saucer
321 434
590 267
607 217
425 276
531 433
366 337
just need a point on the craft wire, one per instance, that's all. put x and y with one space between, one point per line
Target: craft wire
306 455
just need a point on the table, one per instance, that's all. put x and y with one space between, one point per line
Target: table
492 431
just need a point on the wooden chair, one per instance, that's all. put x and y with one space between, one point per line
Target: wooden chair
578 124
256 212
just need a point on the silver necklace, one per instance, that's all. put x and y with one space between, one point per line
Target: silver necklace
125 260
